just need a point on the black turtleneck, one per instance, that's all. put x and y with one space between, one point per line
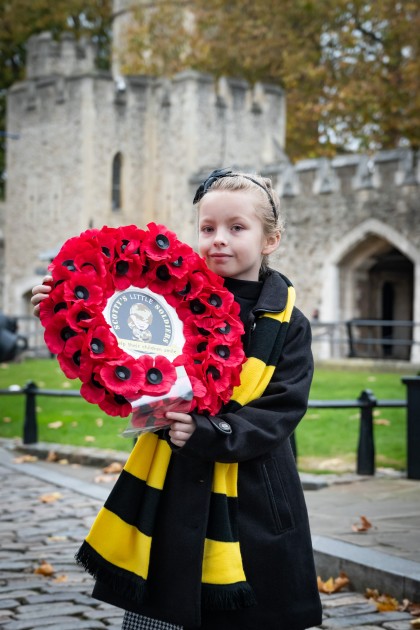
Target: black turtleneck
246 293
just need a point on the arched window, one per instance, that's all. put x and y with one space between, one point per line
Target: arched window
116 182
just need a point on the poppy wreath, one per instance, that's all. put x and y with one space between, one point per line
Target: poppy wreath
91 268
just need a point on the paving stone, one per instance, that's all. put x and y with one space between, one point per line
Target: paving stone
49 610
42 623
8 603
363 620
398 625
104 614
351 610
75 597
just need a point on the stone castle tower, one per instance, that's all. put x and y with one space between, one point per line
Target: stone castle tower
98 149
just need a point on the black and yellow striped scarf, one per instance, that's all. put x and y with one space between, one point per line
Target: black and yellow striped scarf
117 548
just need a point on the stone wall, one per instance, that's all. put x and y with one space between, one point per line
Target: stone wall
344 216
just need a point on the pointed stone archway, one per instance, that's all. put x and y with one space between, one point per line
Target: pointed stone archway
374 273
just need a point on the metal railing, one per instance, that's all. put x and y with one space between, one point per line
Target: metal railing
366 338
366 402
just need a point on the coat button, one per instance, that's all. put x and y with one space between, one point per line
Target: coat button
225 427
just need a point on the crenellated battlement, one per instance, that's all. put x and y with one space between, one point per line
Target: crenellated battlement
67 56
348 173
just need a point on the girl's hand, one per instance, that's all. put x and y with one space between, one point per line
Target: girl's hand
39 293
182 427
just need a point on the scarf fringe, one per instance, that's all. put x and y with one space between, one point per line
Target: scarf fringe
227 596
126 583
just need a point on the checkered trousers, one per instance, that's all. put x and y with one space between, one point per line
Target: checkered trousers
133 621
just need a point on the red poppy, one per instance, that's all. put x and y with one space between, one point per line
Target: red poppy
102 343
93 391
127 271
159 242
83 287
161 279
71 357
123 376
115 405
227 355
81 317
157 375
58 332
54 303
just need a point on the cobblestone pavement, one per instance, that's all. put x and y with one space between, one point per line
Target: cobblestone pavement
44 517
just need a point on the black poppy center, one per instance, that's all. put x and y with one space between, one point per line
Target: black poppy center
215 300
177 263
66 333
69 264
197 307
106 251
82 315
124 245
81 293
162 241
185 290
60 306
120 400
122 372
214 372
122 267
202 346
97 346
162 273
203 331
223 352
154 376
95 382
76 357
225 329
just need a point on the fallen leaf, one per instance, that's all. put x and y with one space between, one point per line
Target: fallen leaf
60 578
333 585
65 384
382 422
51 457
89 438
25 458
56 538
363 526
113 467
74 424
6 420
63 461
55 425
99 422
44 569
50 498
382 601
105 478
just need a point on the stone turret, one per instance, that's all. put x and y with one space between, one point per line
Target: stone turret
66 57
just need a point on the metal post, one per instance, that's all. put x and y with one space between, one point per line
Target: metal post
413 426
366 448
30 425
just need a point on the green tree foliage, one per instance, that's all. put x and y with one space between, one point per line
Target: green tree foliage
350 69
19 19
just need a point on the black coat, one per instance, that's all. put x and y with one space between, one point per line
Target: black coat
273 523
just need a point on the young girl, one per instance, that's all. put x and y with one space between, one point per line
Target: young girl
268 581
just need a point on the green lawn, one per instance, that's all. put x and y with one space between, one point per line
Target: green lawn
326 439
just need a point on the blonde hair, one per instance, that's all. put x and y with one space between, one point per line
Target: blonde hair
267 206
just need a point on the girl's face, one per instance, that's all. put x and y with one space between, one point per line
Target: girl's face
231 236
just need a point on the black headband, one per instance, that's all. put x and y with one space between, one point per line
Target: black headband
226 172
